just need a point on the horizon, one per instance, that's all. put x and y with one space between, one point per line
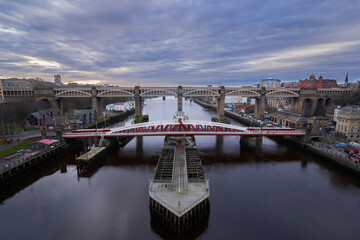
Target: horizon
163 42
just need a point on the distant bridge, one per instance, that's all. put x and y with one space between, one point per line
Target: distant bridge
164 128
304 101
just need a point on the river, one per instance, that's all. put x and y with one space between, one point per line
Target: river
279 192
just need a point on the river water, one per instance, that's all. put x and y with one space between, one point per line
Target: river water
279 192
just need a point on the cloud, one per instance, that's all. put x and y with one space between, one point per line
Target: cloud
163 41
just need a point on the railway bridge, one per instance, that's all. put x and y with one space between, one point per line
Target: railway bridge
304 101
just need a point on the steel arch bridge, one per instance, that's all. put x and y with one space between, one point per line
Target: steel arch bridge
165 128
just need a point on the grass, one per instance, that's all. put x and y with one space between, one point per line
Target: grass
3 141
16 147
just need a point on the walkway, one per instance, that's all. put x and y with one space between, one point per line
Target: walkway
339 153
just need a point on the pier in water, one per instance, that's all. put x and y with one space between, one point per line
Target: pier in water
278 192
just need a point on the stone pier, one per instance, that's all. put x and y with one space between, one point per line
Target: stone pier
260 105
180 99
251 143
179 192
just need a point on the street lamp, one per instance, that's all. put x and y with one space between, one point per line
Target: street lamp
8 130
14 127
3 130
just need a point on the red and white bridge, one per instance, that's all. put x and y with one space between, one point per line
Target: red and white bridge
164 128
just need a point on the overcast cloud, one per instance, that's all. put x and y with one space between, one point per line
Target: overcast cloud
165 42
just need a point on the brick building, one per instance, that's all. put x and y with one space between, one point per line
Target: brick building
244 108
288 119
317 83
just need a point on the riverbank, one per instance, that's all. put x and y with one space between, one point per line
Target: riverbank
14 168
328 153
323 150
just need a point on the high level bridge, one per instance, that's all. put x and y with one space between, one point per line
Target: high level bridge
304 101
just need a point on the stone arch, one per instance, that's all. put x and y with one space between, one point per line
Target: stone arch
320 107
327 102
307 107
44 103
201 92
158 92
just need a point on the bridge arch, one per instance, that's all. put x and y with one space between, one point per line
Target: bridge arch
44 103
282 93
307 107
158 92
320 107
243 92
73 93
115 93
203 92
327 102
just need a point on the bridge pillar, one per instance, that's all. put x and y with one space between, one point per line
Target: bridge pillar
294 104
260 105
180 99
220 114
138 112
251 143
60 105
96 103
97 106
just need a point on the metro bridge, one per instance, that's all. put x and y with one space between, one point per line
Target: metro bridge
165 128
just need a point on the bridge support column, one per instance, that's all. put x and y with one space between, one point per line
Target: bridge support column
139 118
220 114
139 145
180 99
96 103
138 112
294 103
97 106
260 105
60 105
251 143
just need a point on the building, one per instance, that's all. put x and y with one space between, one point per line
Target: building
43 145
244 108
289 84
312 82
318 122
277 102
77 118
270 83
15 87
288 119
57 80
332 112
121 106
47 119
348 123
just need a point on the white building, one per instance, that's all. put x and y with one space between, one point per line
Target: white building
120 107
336 112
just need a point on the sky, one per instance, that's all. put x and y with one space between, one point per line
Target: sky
171 42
